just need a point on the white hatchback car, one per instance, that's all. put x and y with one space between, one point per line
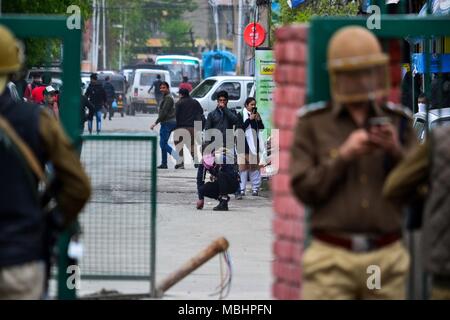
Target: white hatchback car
238 88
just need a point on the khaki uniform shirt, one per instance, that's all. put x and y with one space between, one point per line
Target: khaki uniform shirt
75 186
410 177
345 197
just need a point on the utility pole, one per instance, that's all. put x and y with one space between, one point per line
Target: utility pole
265 18
216 20
239 45
97 36
104 35
94 12
191 34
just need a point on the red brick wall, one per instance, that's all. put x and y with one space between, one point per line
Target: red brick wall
287 224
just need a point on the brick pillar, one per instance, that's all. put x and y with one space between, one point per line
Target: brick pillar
287 224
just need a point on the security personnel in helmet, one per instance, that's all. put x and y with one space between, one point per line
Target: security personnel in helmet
22 249
343 149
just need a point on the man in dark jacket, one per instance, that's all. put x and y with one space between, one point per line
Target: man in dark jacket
158 94
187 111
166 117
222 119
22 220
110 96
97 96
87 111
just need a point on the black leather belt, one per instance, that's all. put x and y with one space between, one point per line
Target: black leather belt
358 242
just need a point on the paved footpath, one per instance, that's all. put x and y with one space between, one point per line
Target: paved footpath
183 231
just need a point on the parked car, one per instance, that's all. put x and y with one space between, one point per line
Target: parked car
138 97
54 72
436 117
238 88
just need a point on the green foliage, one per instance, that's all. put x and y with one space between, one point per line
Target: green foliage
311 8
177 33
140 19
43 51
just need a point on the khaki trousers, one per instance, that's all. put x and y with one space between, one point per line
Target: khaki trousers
331 272
22 282
440 293
187 139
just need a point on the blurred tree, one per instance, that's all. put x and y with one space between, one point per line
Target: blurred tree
43 51
177 33
141 19
310 8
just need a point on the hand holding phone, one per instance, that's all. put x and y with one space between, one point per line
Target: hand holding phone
384 135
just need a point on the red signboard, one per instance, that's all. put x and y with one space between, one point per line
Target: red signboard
254 34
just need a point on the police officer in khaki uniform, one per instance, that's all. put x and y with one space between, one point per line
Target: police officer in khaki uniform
22 221
342 152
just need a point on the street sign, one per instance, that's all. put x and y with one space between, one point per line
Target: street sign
254 34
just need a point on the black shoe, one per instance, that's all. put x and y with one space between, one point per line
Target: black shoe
195 166
222 206
179 166
162 167
255 193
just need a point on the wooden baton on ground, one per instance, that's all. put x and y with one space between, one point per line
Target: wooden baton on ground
214 248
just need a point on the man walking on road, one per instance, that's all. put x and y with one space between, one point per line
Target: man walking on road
156 85
187 111
97 96
342 152
110 96
166 116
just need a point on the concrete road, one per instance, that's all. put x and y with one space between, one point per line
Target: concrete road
183 231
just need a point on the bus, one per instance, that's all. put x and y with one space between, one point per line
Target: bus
180 66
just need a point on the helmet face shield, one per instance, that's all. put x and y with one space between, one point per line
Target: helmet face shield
359 85
358 68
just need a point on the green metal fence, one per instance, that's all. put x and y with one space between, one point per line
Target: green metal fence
119 222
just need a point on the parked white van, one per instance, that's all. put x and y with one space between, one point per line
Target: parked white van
139 84
238 88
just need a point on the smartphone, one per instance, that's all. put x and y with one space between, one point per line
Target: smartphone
255 110
379 121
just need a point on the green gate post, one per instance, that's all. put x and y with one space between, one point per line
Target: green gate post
24 26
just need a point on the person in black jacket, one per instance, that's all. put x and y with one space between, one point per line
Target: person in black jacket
87 111
97 96
224 178
187 111
110 96
158 94
222 119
